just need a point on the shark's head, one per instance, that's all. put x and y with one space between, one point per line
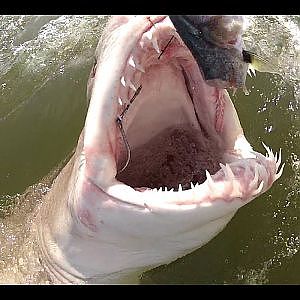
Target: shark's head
165 163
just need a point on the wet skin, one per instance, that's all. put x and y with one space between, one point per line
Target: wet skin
190 168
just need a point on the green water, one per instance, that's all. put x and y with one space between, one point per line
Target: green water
44 65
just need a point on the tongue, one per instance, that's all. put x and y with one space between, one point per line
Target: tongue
176 155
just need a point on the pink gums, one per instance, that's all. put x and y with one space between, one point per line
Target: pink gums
220 106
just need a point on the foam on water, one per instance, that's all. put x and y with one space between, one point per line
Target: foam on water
28 61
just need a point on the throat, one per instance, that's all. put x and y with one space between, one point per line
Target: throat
176 156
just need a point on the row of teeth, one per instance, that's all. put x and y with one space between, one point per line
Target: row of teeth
149 36
229 175
148 39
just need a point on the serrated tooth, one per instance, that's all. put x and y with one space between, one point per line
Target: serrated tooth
280 172
252 70
229 172
155 44
155 190
123 81
135 64
148 35
192 186
179 188
165 189
259 189
131 85
270 152
160 189
120 101
209 180
131 61
278 162
249 72
171 190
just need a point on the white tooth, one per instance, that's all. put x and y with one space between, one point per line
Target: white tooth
155 190
249 72
209 180
270 152
123 81
280 172
192 186
259 189
171 190
165 189
131 61
160 189
179 188
131 85
136 65
148 35
142 44
155 45
120 101
229 172
278 162
253 71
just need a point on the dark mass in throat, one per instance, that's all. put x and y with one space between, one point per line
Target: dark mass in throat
175 156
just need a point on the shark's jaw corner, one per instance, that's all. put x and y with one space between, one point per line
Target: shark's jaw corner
190 168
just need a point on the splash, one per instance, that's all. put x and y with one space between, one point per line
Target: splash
276 38
27 62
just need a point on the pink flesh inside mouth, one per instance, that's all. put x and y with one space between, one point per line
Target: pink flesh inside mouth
186 143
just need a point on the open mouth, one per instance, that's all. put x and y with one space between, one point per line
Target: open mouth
178 139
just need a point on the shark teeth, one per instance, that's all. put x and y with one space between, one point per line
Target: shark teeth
127 83
150 36
257 175
269 153
133 63
251 71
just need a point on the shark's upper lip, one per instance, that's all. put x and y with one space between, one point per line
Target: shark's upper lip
247 175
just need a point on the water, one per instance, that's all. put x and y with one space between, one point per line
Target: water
44 65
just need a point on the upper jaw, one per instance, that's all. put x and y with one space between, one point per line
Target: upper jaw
247 174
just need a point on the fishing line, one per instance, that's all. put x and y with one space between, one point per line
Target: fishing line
165 47
119 121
